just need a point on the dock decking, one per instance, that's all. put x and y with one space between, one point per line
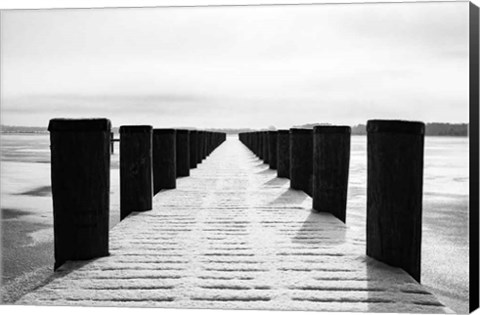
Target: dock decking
233 235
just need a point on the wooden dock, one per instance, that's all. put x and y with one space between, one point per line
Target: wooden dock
233 235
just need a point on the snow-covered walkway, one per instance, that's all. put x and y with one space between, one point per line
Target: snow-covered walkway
233 235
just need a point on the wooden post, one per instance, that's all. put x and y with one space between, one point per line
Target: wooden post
254 136
135 169
209 142
283 157
112 148
261 145
394 193
183 152
193 149
272 149
301 159
205 145
201 145
331 159
164 159
266 159
80 174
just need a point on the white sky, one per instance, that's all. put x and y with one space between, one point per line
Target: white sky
237 66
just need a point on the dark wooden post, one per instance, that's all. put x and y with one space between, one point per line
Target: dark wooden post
272 149
164 159
209 142
135 169
193 149
331 160
261 145
301 159
112 148
283 157
80 174
201 145
266 159
205 145
394 193
183 152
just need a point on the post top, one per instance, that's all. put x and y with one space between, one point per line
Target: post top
135 129
88 124
283 131
183 131
272 131
332 129
396 126
301 130
158 131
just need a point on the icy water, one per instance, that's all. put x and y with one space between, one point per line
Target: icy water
27 250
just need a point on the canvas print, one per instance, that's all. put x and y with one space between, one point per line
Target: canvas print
280 157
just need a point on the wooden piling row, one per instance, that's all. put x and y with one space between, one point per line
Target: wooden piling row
150 160
317 162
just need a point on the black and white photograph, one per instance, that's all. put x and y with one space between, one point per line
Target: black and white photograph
257 156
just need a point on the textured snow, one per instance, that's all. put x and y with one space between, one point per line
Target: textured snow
233 235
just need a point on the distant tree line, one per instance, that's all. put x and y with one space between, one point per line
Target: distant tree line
23 129
443 129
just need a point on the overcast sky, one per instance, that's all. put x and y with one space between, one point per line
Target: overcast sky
237 66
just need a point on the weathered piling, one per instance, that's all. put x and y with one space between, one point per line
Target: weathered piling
261 145
135 169
164 159
211 137
193 148
283 156
80 174
205 144
272 149
112 148
201 145
331 160
266 157
183 152
301 156
394 193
